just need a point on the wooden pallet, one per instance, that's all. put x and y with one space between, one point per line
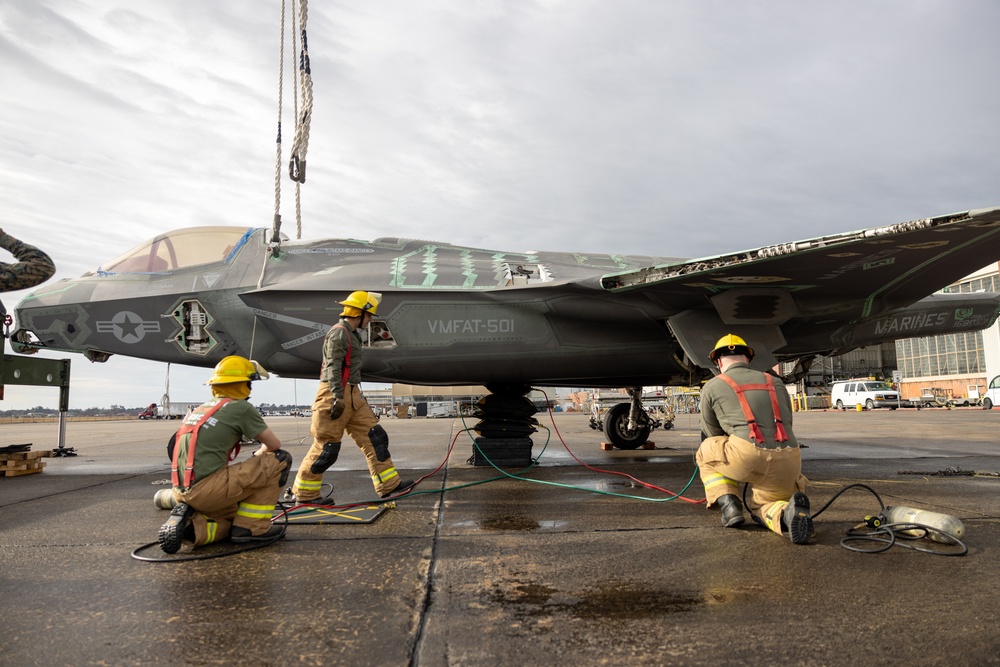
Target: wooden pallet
23 463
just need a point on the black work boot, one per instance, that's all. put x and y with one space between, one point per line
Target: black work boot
795 520
290 499
732 510
403 486
328 500
241 535
172 532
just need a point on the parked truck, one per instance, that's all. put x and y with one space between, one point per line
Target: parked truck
442 409
170 411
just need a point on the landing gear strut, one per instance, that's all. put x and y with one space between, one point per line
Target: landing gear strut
628 425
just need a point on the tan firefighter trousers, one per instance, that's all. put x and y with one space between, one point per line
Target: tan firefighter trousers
242 494
773 474
358 419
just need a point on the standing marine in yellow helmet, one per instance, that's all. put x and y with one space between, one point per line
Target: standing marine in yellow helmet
340 406
746 428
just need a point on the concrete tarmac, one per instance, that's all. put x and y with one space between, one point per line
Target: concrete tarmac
578 566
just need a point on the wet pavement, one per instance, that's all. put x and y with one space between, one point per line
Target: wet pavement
576 567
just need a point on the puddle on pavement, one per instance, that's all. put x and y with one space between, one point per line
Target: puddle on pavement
633 603
535 594
628 602
510 522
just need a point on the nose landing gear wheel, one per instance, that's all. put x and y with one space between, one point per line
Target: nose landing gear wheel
617 430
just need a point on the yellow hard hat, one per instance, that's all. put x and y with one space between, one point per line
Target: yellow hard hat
360 302
731 344
236 369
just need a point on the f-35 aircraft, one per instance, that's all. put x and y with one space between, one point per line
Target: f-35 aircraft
457 315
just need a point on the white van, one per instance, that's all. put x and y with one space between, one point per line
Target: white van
869 393
992 395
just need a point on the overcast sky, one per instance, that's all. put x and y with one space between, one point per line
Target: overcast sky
677 128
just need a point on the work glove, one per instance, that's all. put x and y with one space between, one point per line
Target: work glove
337 409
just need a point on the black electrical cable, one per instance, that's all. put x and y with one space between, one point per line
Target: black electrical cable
900 531
170 558
881 505
888 534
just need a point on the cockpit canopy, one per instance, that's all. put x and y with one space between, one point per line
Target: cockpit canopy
180 249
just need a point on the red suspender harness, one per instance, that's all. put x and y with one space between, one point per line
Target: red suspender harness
193 430
755 434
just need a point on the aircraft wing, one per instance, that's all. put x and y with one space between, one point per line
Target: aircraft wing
806 297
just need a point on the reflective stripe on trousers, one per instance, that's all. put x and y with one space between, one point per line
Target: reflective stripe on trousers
255 512
384 477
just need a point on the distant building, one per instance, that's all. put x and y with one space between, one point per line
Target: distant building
427 401
960 364
957 363
875 361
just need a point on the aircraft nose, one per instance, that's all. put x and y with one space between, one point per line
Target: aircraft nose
49 326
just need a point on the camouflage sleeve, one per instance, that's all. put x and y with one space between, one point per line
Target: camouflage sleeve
334 350
34 266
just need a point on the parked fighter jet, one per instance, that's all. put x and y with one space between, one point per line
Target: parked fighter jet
459 315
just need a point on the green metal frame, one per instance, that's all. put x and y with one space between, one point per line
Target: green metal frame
16 369
36 372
